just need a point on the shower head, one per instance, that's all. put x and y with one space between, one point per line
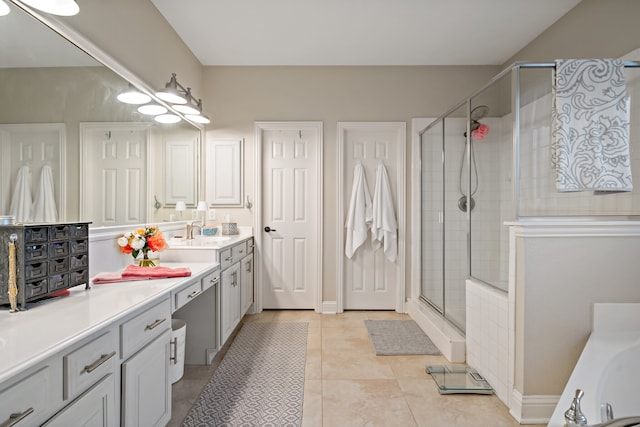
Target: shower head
478 113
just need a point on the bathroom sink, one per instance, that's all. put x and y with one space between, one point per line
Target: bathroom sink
212 241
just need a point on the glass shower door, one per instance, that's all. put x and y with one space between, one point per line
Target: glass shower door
432 217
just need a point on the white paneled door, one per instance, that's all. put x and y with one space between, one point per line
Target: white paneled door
114 164
369 280
289 233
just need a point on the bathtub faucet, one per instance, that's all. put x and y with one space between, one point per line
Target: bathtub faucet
574 416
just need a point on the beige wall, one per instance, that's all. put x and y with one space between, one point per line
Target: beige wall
238 96
136 34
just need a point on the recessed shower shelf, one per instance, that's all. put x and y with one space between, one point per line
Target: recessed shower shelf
458 379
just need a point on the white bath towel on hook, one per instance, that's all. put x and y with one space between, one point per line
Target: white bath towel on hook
359 215
384 227
44 205
21 201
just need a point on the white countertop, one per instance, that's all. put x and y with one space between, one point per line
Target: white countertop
30 336
208 242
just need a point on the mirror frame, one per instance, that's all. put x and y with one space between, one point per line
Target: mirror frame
88 47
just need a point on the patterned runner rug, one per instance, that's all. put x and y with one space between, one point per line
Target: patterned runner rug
260 380
399 337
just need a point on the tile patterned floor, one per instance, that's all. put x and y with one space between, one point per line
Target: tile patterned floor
348 385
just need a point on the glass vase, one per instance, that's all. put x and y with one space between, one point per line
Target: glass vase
146 261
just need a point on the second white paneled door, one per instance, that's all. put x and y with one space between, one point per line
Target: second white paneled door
289 227
368 280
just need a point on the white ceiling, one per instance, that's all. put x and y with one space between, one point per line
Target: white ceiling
359 32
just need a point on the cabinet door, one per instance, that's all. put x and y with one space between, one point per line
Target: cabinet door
95 408
230 300
146 388
246 284
224 172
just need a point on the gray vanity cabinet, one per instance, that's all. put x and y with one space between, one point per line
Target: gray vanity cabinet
230 300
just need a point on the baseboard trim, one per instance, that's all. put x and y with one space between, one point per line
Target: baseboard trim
534 409
329 307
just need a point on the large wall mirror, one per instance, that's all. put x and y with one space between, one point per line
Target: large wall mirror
66 141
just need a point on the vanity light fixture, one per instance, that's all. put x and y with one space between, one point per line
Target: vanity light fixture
171 92
152 109
4 8
198 118
167 118
131 95
182 100
55 7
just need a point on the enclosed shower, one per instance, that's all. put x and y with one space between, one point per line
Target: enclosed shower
486 163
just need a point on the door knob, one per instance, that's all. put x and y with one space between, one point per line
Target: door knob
268 229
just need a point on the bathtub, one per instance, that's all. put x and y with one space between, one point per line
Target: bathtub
608 370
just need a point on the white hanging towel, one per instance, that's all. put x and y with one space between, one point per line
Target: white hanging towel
384 228
21 201
591 126
359 215
44 205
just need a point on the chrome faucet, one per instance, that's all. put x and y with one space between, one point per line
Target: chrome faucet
190 228
574 416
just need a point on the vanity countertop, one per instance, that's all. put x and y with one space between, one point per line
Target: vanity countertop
31 336
218 242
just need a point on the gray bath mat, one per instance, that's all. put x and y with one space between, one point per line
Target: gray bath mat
259 382
399 337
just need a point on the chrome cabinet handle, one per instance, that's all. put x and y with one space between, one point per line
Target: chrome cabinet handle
103 358
16 418
174 358
193 294
228 258
154 324
214 281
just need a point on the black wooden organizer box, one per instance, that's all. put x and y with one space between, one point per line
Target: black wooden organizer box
49 258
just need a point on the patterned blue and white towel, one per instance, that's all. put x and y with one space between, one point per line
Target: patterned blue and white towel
591 126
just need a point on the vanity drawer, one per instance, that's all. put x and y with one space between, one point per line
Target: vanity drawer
211 280
36 252
58 249
57 266
59 232
30 399
250 245
239 251
185 295
86 365
226 258
135 333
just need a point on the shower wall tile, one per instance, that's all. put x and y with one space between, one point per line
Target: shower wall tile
487 335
